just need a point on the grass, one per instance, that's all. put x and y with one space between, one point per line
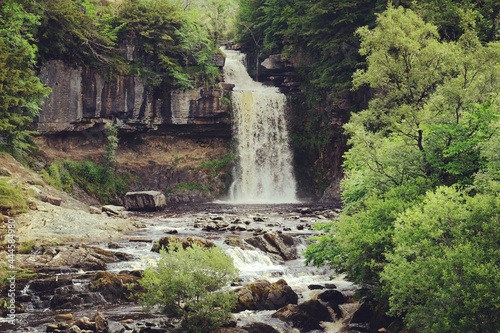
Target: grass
12 199
181 187
98 180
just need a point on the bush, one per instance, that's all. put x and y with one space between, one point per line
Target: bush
97 180
188 283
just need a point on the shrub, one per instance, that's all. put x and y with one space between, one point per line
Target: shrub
189 283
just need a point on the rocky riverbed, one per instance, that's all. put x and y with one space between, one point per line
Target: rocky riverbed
92 280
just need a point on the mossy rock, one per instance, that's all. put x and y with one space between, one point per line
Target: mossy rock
185 242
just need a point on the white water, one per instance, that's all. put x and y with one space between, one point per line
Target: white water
263 171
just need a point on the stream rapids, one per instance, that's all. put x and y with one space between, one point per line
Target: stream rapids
295 220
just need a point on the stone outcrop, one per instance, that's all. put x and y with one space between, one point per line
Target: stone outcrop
263 295
185 242
82 98
305 316
275 243
76 256
145 200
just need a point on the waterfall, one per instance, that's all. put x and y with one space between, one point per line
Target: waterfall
263 170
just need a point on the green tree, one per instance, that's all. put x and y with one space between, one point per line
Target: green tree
433 121
21 92
82 31
444 275
189 283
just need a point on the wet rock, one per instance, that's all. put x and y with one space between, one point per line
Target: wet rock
65 301
84 323
238 227
85 257
113 245
259 328
74 329
330 286
275 243
315 287
306 316
237 243
145 200
51 327
186 242
332 296
64 316
263 295
306 211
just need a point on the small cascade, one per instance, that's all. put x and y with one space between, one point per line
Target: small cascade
263 172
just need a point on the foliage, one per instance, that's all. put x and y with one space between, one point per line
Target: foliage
82 31
12 198
189 283
99 181
111 133
444 272
428 247
26 247
58 176
216 165
182 186
21 92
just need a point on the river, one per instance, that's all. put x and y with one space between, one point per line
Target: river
294 220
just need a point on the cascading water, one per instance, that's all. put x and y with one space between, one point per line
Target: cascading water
263 171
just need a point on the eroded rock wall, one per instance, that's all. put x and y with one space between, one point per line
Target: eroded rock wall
82 97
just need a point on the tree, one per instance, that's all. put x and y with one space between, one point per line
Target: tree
444 274
433 122
21 92
189 283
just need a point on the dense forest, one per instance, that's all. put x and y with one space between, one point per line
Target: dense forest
421 220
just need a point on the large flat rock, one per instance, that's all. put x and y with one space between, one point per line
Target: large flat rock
145 200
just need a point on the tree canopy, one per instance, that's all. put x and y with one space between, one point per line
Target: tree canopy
421 213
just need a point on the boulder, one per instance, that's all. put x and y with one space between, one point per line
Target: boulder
332 296
263 295
259 328
116 288
113 210
306 316
275 243
52 200
87 258
186 242
145 200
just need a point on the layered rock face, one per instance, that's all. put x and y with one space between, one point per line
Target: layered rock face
82 97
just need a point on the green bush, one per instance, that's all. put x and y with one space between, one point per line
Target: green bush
12 200
216 165
188 284
97 180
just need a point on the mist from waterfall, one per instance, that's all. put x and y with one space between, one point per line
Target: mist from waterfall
263 170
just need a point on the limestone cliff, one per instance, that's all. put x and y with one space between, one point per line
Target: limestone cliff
82 97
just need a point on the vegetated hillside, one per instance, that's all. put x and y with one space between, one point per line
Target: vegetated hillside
113 66
420 226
